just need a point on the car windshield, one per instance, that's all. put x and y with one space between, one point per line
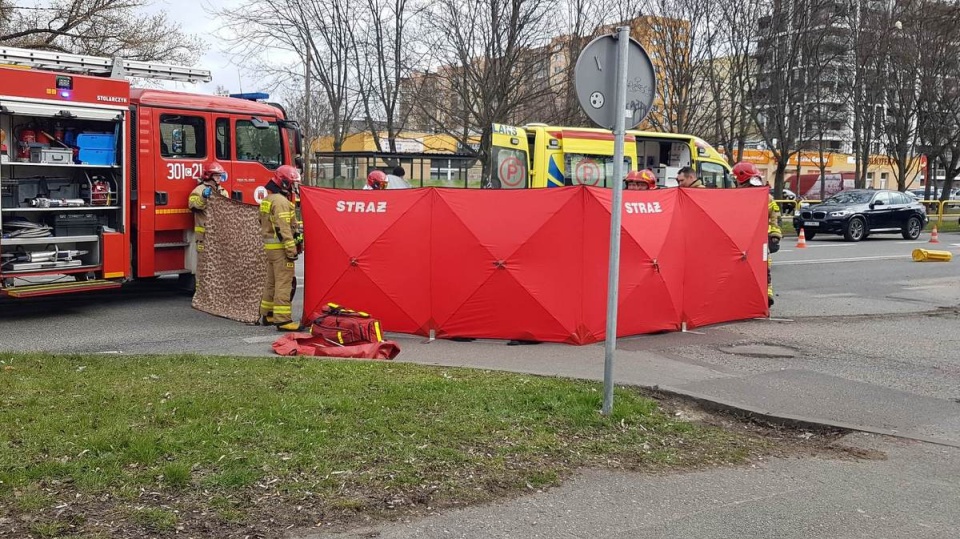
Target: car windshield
853 197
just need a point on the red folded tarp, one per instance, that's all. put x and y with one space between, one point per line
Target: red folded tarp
532 264
305 344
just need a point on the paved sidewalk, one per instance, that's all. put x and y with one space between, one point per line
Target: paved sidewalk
910 493
811 370
789 389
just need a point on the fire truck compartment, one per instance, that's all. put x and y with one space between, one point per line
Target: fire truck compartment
76 224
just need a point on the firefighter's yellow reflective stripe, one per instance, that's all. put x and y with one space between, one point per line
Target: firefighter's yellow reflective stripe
376 328
199 229
197 199
272 246
113 275
281 309
290 243
266 304
265 206
286 214
168 211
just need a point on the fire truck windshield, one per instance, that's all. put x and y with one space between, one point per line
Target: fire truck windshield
259 144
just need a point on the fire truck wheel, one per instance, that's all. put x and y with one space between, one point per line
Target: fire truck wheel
188 282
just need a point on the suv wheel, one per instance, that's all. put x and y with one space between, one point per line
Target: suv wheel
911 230
855 229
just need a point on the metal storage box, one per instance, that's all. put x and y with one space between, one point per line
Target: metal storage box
51 156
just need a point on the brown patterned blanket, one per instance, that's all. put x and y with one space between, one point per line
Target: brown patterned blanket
232 266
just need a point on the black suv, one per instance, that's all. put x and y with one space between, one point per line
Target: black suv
860 212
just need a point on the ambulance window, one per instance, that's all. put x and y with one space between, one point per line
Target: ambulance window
593 170
261 145
223 139
183 137
712 175
511 168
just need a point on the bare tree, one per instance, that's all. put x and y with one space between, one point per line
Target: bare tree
582 23
495 63
386 40
901 61
681 50
729 74
938 115
266 34
827 57
315 122
788 34
862 81
98 27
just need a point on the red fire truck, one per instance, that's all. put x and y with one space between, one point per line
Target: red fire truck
95 175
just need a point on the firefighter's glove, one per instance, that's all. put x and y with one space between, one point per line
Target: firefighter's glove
292 258
773 244
207 191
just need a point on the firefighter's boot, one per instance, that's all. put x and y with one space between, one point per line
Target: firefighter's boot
289 326
267 320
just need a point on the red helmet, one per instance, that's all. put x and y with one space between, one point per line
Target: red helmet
645 176
377 179
287 178
747 173
214 169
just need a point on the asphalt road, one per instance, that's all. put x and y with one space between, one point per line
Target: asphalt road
860 335
830 277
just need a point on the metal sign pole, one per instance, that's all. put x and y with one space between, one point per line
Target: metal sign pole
613 274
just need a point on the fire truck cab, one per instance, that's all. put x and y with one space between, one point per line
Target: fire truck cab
95 175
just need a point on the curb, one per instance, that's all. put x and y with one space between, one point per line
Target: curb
790 420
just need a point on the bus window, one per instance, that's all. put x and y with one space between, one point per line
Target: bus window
592 170
713 175
511 168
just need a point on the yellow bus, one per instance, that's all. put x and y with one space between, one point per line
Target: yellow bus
538 155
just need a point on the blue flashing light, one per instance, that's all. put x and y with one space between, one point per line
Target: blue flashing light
65 94
252 96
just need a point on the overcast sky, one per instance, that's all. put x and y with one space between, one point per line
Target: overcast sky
192 15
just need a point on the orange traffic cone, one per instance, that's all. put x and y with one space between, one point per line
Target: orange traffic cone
802 241
934 237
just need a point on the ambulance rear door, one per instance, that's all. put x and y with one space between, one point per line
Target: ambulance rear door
509 158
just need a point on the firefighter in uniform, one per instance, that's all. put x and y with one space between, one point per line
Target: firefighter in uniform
278 225
213 175
640 180
687 177
748 175
376 180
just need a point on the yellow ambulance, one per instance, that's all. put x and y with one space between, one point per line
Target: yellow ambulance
538 155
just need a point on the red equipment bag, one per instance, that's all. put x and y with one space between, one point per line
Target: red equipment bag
338 332
344 327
